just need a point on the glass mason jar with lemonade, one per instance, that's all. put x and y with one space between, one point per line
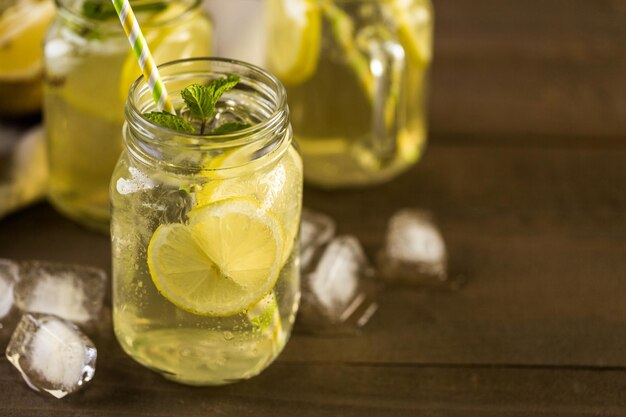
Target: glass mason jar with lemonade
205 226
356 73
88 71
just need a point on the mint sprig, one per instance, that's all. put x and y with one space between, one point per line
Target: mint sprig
201 100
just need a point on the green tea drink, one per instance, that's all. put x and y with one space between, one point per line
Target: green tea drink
205 229
89 69
356 78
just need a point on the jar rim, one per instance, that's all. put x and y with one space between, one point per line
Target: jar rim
236 138
72 12
144 138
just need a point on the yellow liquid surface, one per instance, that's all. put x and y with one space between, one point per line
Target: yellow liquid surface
84 98
333 111
183 346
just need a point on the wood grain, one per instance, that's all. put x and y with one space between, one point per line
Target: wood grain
525 175
535 67
540 236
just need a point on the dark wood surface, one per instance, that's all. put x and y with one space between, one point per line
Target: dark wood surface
526 175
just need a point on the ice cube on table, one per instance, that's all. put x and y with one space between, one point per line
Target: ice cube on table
8 278
316 229
72 292
414 251
340 289
52 354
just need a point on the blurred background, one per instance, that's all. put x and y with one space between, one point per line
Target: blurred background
531 72
541 68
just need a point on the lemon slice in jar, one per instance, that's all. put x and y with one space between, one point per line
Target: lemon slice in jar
414 20
169 39
225 260
22 28
293 39
277 188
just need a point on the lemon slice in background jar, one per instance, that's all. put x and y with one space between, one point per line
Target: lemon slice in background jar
294 39
224 261
23 25
277 188
172 36
414 20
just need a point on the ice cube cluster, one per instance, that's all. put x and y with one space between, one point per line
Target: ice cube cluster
47 347
339 284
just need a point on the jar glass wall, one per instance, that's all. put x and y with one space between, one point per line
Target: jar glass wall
205 231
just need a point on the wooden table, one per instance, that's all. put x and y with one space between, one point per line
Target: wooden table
526 175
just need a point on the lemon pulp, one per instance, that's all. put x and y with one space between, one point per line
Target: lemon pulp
226 258
277 188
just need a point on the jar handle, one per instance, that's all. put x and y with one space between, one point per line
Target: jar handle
387 66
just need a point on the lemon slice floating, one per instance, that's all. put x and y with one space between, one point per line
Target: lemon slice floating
278 189
22 28
294 39
414 22
225 260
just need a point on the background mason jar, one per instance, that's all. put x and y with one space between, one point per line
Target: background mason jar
89 67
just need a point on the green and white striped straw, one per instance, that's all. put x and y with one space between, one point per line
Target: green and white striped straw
142 53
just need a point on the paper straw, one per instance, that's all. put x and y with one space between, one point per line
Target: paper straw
142 53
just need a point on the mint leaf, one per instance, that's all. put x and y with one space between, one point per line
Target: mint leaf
228 128
201 99
222 85
170 121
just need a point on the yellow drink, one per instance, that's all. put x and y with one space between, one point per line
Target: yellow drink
89 69
356 79
205 234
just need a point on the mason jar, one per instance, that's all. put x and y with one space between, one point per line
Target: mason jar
89 67
205 231
356 73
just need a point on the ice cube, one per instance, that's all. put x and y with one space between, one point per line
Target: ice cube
8 278
52 354
316 230
341 289
9 316
72 292
414 251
